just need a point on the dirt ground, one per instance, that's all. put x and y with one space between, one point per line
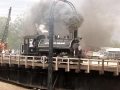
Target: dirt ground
6 86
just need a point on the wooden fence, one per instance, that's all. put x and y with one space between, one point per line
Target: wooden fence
68 64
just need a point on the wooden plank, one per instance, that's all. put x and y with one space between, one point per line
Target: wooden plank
33 63
9 60
25 61
78 66
68 65
88 66
56 63
19 61
102 67
43 59
1 59
117 69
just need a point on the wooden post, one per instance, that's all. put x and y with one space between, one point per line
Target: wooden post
9 60
88 68
117 69
68 65
102 67
78 68
25 61
19 61
56 64
98 63
43 58
99 66
1 59
33 63
107 63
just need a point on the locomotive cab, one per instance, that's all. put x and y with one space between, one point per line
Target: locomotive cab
28 47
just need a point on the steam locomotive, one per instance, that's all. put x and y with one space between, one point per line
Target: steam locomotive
39 45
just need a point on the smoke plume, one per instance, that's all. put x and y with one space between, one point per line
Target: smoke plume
40 14
98 26
96 30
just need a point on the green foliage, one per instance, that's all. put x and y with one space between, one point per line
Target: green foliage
15 32
2 25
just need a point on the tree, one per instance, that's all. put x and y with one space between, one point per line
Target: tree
15 33
2 25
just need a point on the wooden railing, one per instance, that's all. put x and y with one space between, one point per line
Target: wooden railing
76 64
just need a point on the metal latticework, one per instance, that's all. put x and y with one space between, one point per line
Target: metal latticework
5 33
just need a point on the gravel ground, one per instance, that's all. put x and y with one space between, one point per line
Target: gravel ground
6 86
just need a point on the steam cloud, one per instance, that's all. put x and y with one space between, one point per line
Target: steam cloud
96 29
40 15
36 16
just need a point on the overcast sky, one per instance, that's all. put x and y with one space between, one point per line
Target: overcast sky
19 7
108 10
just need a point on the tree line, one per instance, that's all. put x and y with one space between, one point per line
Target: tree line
15 32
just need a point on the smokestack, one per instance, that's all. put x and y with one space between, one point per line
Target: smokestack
73 23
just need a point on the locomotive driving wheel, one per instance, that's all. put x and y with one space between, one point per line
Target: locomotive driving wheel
43 59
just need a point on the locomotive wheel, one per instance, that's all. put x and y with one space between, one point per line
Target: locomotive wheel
43 59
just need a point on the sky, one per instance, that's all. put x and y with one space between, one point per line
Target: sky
19 7
108 10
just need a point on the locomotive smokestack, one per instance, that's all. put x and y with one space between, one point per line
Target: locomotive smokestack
73 23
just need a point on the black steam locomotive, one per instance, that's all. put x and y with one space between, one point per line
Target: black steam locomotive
39 45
